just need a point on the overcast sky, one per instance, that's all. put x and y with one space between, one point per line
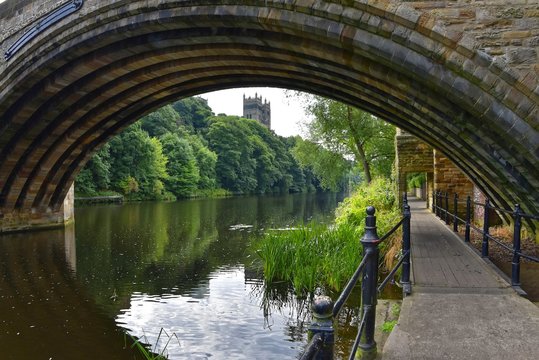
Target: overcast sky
285 113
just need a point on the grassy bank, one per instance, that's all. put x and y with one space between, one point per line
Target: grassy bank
315 255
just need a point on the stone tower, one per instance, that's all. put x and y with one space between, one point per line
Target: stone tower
254 108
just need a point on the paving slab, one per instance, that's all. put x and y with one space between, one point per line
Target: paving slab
460 307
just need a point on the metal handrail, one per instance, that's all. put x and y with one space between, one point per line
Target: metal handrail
324 311
392 272
359 333
390 232
516 214
312 347
349 287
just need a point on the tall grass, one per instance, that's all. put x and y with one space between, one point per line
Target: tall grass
316 255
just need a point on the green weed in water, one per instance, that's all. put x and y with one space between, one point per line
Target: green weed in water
153 353
316 255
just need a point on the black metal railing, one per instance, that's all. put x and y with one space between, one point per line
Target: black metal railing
517 215
321 331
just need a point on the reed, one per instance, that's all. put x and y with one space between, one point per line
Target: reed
314 255
152 352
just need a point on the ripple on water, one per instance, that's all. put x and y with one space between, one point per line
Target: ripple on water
221 318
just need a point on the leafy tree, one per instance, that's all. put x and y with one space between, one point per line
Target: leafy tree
328 166
135 154
352 133
96 174
183 174
160 122
206 161
235 168
194 112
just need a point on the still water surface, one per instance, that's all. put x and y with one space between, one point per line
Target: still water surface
184 267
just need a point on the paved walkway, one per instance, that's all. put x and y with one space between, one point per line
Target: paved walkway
460 308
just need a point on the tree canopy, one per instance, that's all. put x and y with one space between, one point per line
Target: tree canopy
183 150
351 132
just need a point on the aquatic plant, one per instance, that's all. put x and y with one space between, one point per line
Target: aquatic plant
315 255
153 352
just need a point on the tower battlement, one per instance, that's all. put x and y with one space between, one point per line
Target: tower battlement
255 108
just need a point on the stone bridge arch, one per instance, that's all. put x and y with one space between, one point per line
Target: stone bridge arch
81 80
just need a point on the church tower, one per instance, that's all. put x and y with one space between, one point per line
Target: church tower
254 108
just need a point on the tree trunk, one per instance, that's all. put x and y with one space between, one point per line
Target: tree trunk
359 147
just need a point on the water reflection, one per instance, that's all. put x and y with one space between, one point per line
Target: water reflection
219 317
45 312
147 266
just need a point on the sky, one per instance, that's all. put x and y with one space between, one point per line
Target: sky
286 113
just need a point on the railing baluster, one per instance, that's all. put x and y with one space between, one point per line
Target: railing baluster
484 245
468 218
515 264
433 201
440 204
405 280
446 208
455 209
368 285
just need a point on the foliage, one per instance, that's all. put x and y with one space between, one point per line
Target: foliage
183 172
317 256
153 352
330 167
95 177
416 180
389 325
352 133
310 256
136 156
194 113
160 122
182 150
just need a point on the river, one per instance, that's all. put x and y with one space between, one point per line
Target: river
184 269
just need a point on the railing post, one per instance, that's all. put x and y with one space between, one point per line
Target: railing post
446 208
515 264
468 219
405 280
455 209
322 323
367 345
433 201
484 245
438 203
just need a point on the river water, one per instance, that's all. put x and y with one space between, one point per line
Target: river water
180 269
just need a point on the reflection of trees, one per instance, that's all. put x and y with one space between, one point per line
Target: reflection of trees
172 247
43 305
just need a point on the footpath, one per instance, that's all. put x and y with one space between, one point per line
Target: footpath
460 307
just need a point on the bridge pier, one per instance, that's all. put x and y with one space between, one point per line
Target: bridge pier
14 220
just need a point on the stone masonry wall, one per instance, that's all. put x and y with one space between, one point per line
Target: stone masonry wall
449 178
505 28
411 155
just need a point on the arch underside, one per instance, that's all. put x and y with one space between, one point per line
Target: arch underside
69 93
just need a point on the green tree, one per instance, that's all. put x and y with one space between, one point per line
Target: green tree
206 161
229 138
95 176
164 120
194 112
134 154
183 174
352 133
329 167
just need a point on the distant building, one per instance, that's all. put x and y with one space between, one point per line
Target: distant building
258 110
